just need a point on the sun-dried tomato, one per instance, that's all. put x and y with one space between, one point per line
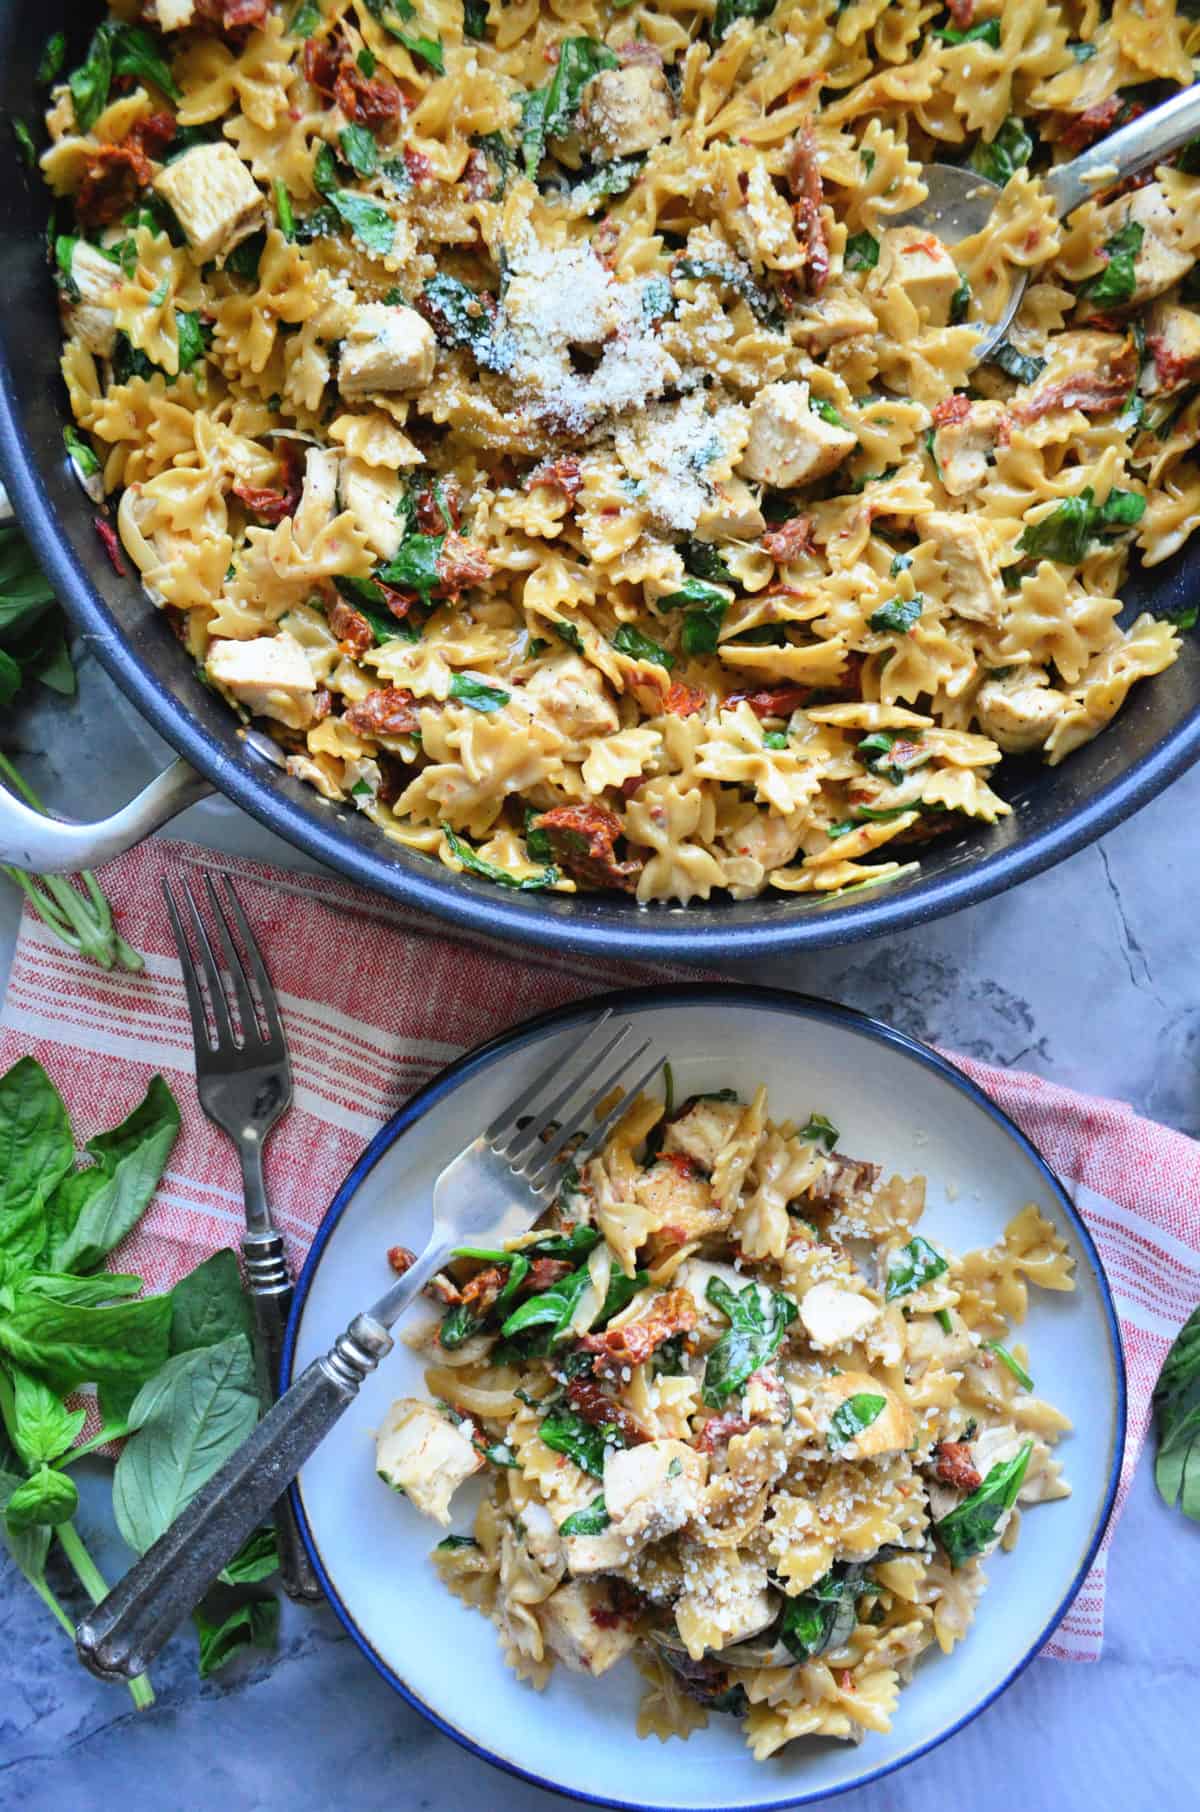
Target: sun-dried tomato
1091 391
432 519
388 712
271 503
682 700
962 12
401 1259
1085 128
720 1428
804 177
418 164
557 475
112 546
350 627
462 563
233 17
790 539
596 1406
368 100
482 1290
582 839
113 178
954 408
674 1312
770 701
322 704
545 1272
322 60
1170 367
955 1466
639 50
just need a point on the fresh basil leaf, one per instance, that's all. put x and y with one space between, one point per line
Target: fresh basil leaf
255 1560
971 1526
36 1152
565 1432
209 1305
104 1286
1064 534
28 1546
473 692
1114 285
630 641
818 1127
82 454
24 597
471 859
755 1335
851 1417
986 32
47 1498
130 1160
252 1624
1022 367
135 53
914 1265
730 10
188 1419
593 1520
898 616
1002 158
70 1344
359 149
194 336
1014 1365
862 252
1177 1421
39 1424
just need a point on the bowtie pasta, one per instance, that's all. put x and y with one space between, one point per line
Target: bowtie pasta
544 422
736 1417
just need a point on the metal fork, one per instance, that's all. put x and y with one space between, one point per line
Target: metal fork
244 1086
495 1189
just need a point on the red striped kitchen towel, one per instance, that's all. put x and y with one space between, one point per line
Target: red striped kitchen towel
376 1001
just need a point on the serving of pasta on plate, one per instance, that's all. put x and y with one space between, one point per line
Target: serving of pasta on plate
541 422
735 1417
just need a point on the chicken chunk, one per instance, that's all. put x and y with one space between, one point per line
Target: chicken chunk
625 110
679 1201
965 550
215 199
174 15
890 1432
1159 261
650 1491
963 448
420 1453
387 348
97 279
789 444
571 695
832 1315
1019 710
832 317
578 1626
703 1130
928 1343
916 261
371 494
733 514
270 675
1173 337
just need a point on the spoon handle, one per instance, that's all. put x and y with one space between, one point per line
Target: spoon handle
1144 141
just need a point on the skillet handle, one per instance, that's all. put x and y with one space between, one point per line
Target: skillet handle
56 846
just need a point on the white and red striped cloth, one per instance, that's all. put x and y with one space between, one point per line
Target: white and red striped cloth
376 1002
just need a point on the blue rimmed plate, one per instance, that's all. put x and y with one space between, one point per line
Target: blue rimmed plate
895 1102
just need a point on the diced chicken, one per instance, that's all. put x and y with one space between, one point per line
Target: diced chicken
1173 338
578 1625
679 1201
703 1130
625 110
1019 710
928 1342
386 349
1160 261
892 1429
831 317
789 443
420 1453
318 495
963 448
972 571
917 262
650 1491
832 1315
571 694
174 15
215 199
270 675
732 515
371 494
96 278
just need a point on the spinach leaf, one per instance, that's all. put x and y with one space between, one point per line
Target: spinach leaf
471 859
359 149
368 220
565 1432
36 1152
729 10
592 1520
971 1526
252 1624
70 1344
209 1305
243 260
475 13
1064 534
473 692
818 1127
1014 1365
579 59
187 1420
415 566
256 1559
914 1265
614 178
1022 367
459 317
459 1323
1121 509
639 647
862 252
90 83
370 602
693 591
1003 157
986 32
701 627
899 615
850 1418
448 1543
551 1308
1177 1421
775 739
819 406
306 19
702 559
960 302
533 131
116 50
109 1199
1115 284
762 305
39 1424
754 1336
194 336
824 1616
575 1244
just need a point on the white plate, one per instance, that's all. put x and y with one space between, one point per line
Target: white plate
894 1102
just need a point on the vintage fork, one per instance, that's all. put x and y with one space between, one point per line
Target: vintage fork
244 1086
493 1190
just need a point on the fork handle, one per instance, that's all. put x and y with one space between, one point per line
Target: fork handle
269 1285
122 1635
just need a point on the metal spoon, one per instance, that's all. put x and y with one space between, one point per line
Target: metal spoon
960 201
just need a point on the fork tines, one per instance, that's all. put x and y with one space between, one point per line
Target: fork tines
259 1033
533 1134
